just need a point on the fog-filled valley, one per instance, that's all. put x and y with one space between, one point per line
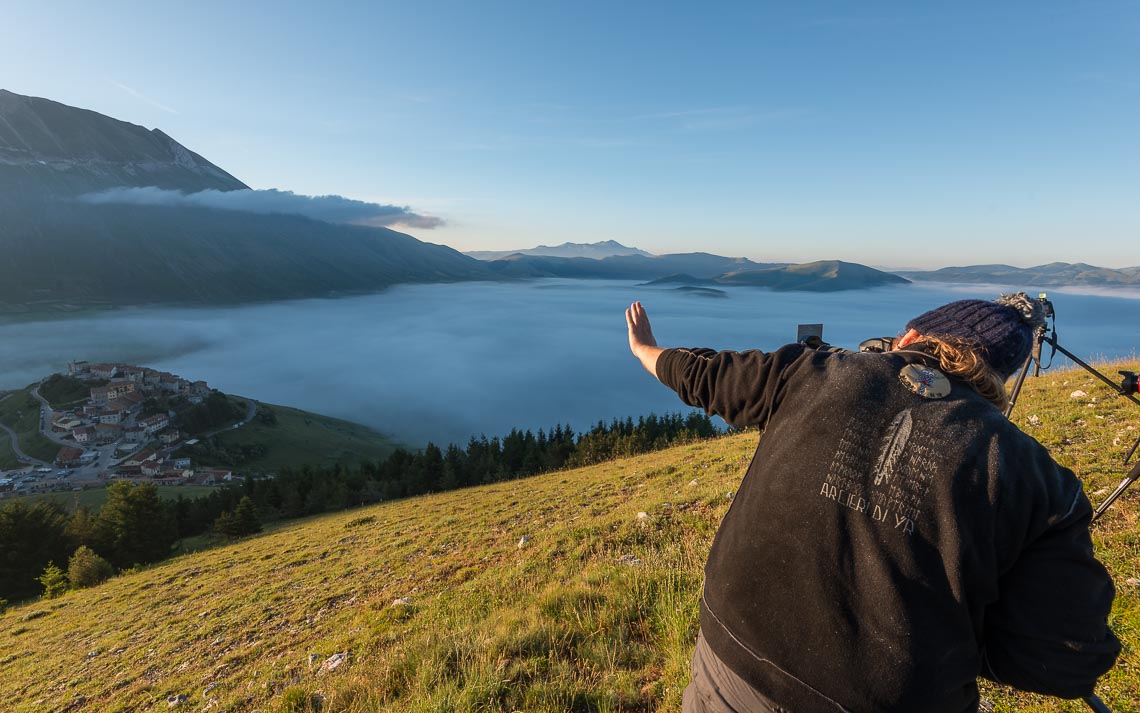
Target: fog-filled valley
445 362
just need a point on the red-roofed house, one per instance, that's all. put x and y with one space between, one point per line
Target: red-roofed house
108 432
83 434
214 475
103 371
113 412
154 424
68 457
110 392
141 457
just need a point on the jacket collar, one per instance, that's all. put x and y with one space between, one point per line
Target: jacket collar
917 352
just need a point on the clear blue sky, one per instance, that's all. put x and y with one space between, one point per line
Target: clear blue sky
900 134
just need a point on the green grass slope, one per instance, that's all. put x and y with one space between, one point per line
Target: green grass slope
439 608
287 437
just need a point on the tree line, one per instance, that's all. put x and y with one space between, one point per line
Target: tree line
134 527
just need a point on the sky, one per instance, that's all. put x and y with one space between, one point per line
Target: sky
896 134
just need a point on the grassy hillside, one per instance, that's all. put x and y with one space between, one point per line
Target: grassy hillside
441 605
20 411
279 436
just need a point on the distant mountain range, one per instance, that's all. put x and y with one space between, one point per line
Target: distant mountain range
702 270
1054 274
623 267
821 276
179 229
596 251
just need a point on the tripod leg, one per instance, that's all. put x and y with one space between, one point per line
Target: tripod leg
1017 386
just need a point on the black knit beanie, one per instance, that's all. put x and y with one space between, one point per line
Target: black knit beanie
1002 330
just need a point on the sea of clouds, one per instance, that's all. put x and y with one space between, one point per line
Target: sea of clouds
444 362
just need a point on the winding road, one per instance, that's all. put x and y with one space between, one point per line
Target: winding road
15 439
250 412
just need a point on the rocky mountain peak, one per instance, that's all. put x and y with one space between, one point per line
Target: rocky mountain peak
49 148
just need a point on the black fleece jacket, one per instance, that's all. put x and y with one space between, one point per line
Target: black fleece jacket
886 548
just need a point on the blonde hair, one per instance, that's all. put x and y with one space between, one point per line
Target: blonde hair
963 360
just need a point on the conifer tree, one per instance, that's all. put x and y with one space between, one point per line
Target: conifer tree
54 581
245 517
134 525
30 538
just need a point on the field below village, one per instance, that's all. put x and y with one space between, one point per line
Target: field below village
94 498
551 593
281 437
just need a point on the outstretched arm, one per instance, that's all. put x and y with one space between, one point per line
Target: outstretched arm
641 341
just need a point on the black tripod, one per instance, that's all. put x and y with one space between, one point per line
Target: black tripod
1126 388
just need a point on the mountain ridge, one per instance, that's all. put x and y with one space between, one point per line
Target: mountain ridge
697 269
50 148
1053 274
64 252
598 250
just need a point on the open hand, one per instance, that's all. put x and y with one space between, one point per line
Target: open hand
640 333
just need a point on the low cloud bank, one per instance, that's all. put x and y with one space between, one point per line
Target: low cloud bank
330 209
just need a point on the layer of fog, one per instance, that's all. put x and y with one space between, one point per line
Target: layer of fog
444 362
330 209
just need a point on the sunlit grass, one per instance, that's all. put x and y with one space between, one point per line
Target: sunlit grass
439 609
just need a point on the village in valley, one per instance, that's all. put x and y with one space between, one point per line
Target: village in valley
129 426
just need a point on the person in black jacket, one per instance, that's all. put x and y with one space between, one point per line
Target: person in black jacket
895 537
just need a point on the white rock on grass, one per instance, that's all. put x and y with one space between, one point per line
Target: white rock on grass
1133 581
693 481
401 601
1078 394
333 662
642 515
1033 420
523 540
